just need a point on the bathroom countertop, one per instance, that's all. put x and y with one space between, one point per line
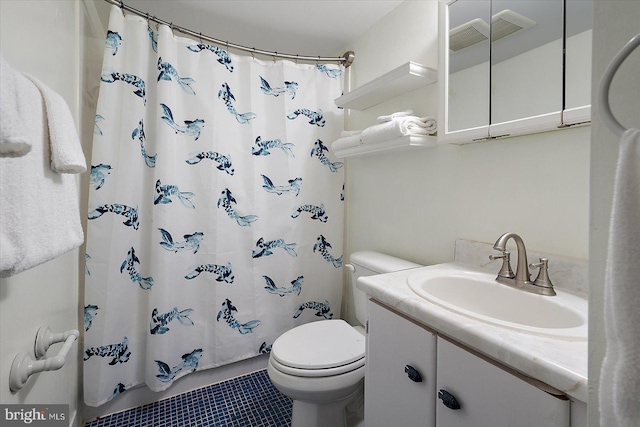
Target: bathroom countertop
560 363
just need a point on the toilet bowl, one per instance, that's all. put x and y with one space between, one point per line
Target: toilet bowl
320 365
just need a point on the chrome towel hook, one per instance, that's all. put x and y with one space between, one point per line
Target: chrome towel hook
605 84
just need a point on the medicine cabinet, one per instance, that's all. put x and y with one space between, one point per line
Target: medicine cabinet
513 67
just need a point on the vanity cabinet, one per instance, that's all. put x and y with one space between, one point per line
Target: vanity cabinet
512 67
488 394
394 396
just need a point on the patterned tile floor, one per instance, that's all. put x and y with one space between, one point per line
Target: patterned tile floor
247 401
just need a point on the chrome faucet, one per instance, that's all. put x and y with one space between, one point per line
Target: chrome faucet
522 279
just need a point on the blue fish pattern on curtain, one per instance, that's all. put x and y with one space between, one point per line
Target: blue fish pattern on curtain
215 208
90 311
261 147
138 132
98 174
224 162
96 128
133 80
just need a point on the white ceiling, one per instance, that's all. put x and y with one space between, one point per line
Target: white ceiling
303 27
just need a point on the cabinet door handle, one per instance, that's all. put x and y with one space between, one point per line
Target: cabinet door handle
413 374
448 400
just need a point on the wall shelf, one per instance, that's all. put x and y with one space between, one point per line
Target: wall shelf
405 78
396 144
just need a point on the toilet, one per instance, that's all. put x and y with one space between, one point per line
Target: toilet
320 365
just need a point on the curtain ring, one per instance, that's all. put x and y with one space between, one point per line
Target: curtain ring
148 25
253 50
297 58
274 57
227 43
122 4
201 38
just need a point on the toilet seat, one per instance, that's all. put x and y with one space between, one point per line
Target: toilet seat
319 349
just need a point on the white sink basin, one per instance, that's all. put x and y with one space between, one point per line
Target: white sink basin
478 295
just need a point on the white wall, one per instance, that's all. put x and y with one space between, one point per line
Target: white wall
415 204
39 38
615 23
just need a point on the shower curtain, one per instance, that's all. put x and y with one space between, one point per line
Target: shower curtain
215 211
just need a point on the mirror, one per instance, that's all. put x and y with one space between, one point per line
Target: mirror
504 62
579 23
469 51
526 58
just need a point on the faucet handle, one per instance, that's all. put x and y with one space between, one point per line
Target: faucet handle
505 270
544 263
543 279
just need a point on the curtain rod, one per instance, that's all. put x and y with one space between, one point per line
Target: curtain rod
346 59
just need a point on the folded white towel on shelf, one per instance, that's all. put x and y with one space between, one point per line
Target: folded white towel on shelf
382 119
346 142
400 126
419 125
350 133
39 209
13 137
66 150
620 374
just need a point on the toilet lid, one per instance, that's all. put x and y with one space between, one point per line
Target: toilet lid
319 345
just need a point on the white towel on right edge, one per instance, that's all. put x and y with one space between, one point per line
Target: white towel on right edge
400 126
620 374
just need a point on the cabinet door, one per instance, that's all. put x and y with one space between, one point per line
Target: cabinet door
391 397
463 70
526 59
489 396
578 35
468 67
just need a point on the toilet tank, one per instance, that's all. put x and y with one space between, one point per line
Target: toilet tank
368 263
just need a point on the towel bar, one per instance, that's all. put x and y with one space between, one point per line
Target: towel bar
24 366
605 83
45 338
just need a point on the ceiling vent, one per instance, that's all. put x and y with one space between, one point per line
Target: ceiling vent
507 22
468 34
